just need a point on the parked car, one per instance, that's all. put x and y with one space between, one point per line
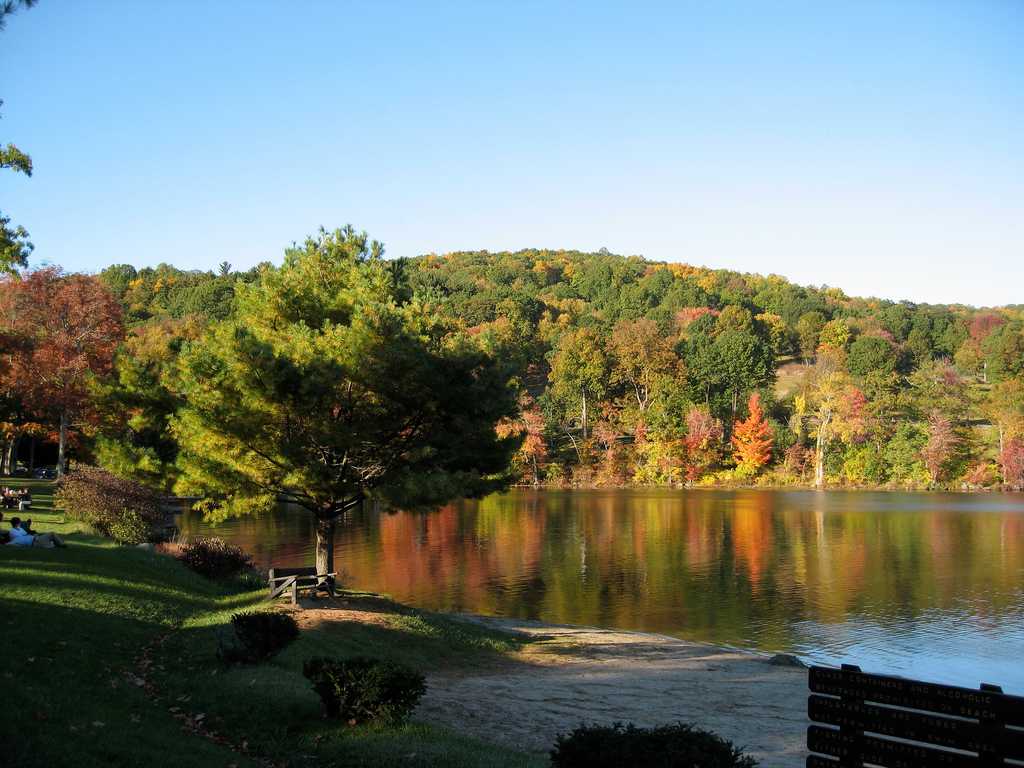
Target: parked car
20 470
45 473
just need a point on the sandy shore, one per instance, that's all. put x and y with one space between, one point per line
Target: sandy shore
567 675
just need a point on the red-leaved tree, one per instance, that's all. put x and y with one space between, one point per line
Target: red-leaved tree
62 329
942 442
1011 461
702 441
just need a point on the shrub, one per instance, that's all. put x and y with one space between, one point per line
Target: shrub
130 528
364 690
214 558
110 505
258 636
667 746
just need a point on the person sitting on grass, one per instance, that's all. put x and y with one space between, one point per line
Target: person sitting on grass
22 538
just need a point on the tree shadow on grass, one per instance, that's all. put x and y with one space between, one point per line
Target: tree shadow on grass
273 708
68 701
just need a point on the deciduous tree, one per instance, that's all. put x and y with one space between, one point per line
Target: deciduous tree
703 442
752 438
67 328
579 373
645 361
942 442
1011 462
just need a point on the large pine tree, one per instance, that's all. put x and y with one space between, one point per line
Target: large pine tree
327 386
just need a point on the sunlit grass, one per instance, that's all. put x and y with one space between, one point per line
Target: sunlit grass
75 622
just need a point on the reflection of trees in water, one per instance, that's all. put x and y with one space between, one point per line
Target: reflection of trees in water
736 566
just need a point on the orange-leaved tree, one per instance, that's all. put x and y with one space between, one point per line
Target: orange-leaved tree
752 438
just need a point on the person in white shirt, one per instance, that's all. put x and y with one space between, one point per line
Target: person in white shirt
22 538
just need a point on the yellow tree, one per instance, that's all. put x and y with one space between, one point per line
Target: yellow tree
836 410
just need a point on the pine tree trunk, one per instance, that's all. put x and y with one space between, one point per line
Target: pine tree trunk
325 544
62 445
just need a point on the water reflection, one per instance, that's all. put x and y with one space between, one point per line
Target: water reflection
923 584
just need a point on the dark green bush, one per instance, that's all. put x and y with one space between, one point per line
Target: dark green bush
364 690
667 746
214 558
258 636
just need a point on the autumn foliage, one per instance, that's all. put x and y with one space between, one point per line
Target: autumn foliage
60 330
752 438
1011 460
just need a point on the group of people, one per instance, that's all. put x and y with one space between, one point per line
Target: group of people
22 535
15 498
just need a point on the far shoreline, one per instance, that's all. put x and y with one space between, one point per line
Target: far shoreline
809 488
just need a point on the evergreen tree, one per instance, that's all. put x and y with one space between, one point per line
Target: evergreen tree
323 390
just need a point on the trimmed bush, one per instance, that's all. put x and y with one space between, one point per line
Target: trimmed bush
214 558
365 690
667 746
258 636
131 528
112 506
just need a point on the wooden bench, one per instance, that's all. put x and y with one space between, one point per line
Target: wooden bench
294 579
895 722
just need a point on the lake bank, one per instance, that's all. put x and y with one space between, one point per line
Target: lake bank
925 585
564 675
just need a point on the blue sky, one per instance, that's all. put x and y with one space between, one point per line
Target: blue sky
876 146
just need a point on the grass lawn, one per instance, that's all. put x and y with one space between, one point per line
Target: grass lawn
80 691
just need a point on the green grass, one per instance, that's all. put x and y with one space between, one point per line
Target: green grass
73 626
42 514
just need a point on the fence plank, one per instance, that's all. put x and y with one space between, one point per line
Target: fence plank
901 692
891 754
916 726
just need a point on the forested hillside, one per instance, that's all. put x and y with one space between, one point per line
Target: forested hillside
629 372
642 372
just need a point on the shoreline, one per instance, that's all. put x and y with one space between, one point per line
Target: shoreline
745 487
565 675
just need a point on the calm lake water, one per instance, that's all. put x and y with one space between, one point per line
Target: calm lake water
926 585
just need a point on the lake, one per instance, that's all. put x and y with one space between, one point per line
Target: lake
927 585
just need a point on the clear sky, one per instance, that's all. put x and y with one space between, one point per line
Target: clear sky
876 146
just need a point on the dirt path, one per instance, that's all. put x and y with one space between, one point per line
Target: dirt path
567 675
570 675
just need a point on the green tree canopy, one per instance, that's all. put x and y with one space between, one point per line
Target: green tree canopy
322 390
871 354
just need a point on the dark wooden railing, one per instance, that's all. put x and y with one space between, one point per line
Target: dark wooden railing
894 722
293 580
